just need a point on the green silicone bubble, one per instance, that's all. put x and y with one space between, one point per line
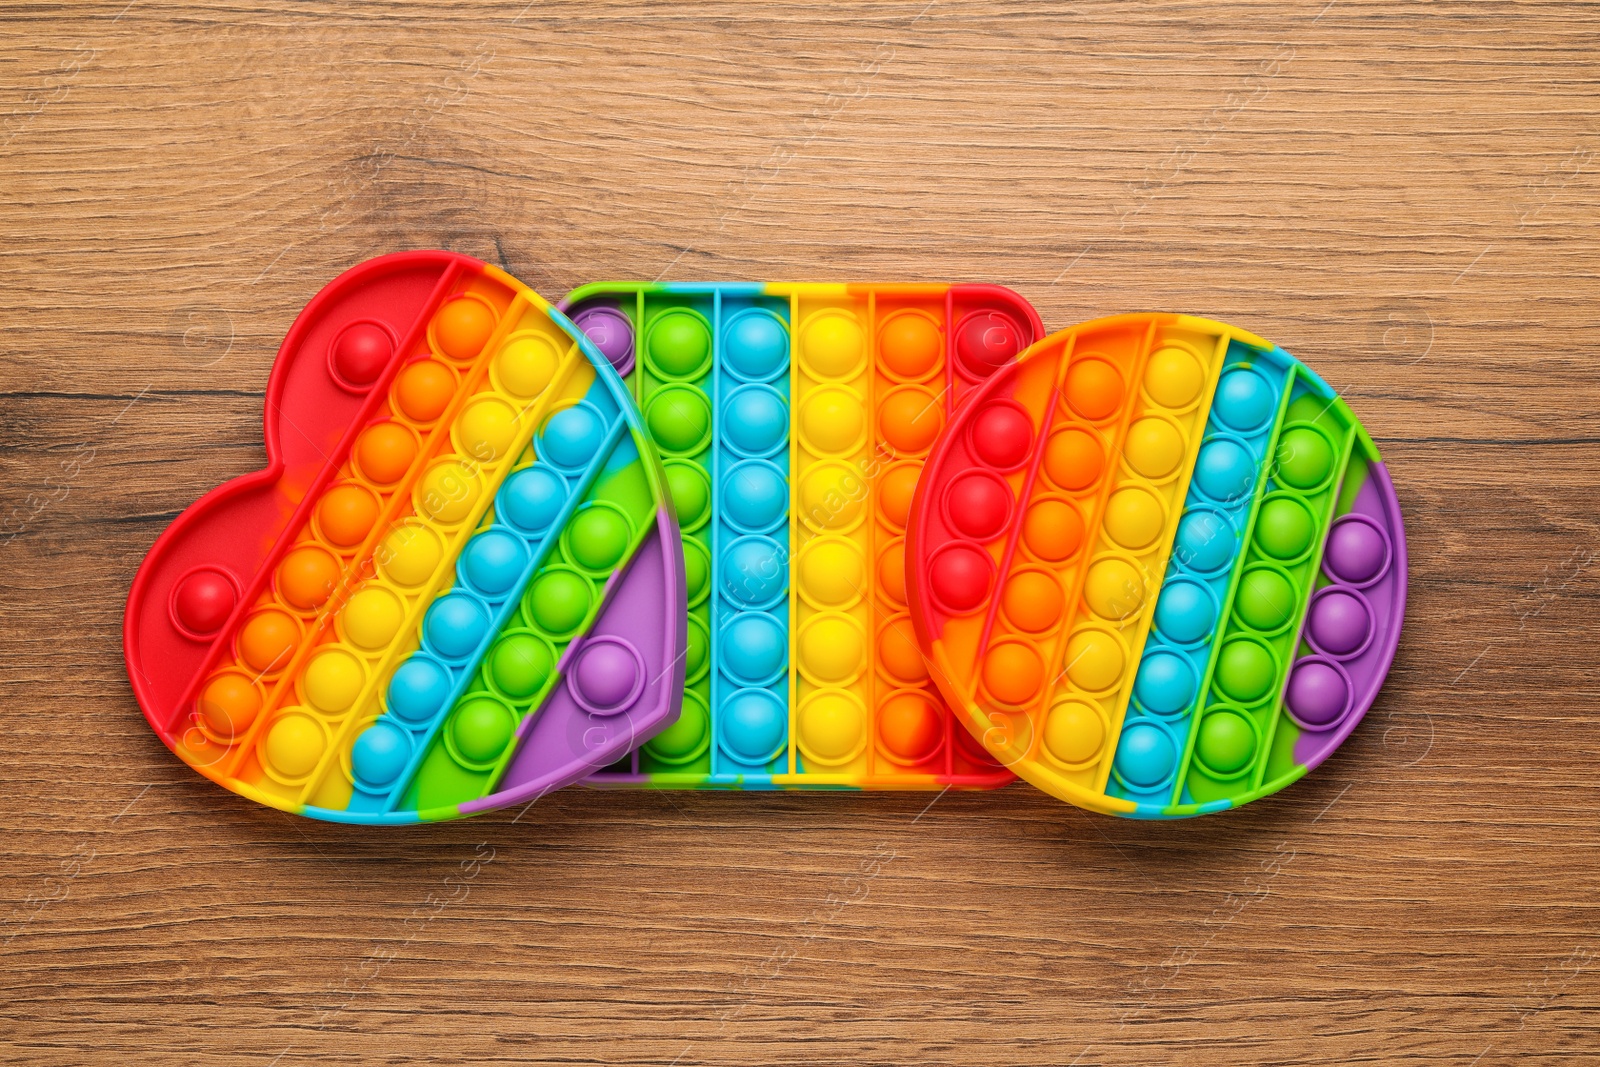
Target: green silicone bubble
1245 671
699 647
558 601
1226 743
520 664
481 729
1304 459
1284 528
598 538
679 344
1265 600
691 493
696 570
679 418
686 738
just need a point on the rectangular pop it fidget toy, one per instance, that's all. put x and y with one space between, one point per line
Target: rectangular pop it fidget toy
802 675
1194 556
403 613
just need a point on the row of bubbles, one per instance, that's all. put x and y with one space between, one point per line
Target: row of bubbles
403 456
1240 431
1277 570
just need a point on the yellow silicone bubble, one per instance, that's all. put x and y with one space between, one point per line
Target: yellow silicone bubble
372 618
1173 378
447 492
525 365
410 554
831 495
831 649
1134 517
831 421
1114 589
1094 660
486 429
831 572
1074 733
831 727
832 344
294 745
1154 447
332 681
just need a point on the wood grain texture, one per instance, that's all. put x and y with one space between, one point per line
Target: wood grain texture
1403 195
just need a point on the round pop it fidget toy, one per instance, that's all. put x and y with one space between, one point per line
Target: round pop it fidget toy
795 420
1157 566
457 585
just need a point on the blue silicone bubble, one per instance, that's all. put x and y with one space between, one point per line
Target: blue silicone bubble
1225 470
753 647
755 495
380 754
1146 755
493 561
1244 400
418 689
1186 611
755 345
753 724
1205 541
572 437
755 420
753 571
1166 683
532 498
454 625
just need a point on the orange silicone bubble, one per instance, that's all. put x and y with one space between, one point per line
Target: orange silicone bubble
384 452
462 327
1013 672
1094 389
307 575
892 572
897 648
909 345
1032 601
1073 460
910 419
229 704
895 492
1053 530
346 515
424 389
267 640
910 726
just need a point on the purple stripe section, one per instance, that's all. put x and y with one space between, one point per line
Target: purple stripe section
563 741
1375 508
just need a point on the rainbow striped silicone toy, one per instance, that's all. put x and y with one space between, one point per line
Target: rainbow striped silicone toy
1157 566
457 585
795 420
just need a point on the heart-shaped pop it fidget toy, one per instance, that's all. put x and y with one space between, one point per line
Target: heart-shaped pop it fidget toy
796 419
1157 566
457 585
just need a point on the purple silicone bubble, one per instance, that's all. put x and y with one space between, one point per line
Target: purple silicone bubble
564 742
608 677
1375 509
1341 621
1319 693
611 333
1358 551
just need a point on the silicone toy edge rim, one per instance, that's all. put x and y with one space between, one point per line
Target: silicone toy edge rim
967 713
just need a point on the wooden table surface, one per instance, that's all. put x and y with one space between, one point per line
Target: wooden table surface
1405 196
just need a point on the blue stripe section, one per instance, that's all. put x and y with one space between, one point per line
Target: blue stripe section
1231 462
749 564
729 289
425 688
